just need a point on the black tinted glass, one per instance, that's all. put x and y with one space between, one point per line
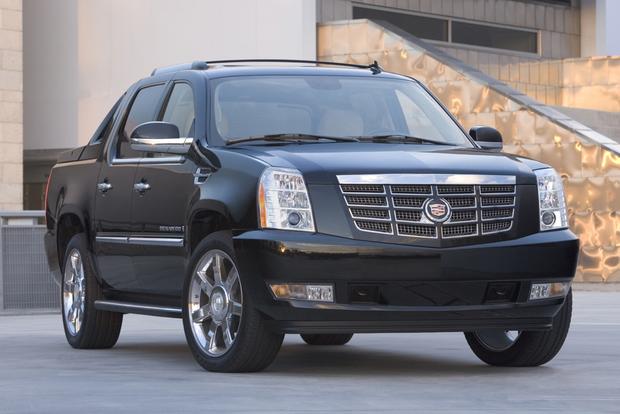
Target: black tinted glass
102 132
422 27
497 37
143 109
333 106
180 109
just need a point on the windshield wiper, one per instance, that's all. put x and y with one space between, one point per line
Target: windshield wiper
401 138
295 137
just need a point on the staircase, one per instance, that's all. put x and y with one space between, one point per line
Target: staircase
603 122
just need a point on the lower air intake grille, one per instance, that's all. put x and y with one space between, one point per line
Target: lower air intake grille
459 230
496 226
374 226
417 230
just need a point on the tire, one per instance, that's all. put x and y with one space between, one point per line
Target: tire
223 329
326 339
530 348
85 327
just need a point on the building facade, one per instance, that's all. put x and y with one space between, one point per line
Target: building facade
81 55
99 48
11 110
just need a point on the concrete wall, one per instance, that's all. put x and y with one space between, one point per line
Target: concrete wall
83 54
11 105
599 27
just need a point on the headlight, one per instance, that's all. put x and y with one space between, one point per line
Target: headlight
283 201
552 206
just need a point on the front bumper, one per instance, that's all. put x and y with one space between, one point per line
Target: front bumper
414 289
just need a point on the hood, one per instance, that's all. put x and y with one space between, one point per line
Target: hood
320 163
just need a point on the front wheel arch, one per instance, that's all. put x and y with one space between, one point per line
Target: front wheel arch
203 224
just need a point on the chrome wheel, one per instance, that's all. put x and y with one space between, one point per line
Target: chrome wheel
215 303
497 340
74 292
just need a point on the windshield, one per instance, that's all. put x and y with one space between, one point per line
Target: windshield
328 106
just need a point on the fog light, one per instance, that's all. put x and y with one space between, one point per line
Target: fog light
549 290
299 291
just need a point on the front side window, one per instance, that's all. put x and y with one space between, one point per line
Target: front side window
334 106
180 109
143 109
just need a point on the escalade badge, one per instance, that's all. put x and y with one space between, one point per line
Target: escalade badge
437 209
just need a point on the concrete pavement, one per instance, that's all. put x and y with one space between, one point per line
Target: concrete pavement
151 370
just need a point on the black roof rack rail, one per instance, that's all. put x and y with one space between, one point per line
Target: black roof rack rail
202 65
373 66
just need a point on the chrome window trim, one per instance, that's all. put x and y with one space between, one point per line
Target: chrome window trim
141 161
426 179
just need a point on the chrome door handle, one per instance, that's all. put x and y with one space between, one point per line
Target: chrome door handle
141 187
104 187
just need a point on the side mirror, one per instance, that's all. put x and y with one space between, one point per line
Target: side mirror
488 138
160 137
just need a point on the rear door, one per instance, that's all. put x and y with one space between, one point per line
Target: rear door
114 198
159 212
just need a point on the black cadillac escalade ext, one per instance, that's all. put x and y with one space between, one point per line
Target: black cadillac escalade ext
322 200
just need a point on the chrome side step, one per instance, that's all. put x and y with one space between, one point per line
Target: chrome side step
139 308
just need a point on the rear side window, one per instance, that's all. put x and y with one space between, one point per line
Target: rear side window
102 132
143 109
180 109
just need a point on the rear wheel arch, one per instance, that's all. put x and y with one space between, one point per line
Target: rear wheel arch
69 224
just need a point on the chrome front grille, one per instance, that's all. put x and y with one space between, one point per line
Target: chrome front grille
399 209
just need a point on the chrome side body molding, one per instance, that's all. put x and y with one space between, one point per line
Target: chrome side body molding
146 241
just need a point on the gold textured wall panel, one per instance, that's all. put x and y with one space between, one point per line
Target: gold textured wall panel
589 83
590 170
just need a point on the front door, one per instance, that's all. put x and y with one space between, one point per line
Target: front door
160 203
114 199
